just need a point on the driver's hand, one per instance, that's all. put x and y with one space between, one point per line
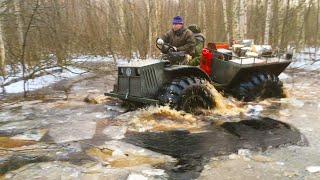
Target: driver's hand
175 48
160 41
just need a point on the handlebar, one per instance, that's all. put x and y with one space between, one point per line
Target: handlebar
165 47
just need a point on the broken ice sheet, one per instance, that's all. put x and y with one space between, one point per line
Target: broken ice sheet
32 135
115 132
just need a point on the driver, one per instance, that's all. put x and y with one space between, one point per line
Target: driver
179 37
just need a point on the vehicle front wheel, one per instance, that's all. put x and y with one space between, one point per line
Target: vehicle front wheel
188 94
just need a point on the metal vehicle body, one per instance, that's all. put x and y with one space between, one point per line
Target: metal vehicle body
160 82
144 80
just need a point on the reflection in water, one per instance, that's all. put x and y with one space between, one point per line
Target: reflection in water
193 150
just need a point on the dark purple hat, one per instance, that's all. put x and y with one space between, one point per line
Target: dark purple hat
177 20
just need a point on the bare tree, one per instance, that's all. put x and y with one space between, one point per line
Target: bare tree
301 21
16 5
243 19
268 21
225 17
2 47
284 26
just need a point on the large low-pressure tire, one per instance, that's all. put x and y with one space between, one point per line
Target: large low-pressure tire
259 86
188 94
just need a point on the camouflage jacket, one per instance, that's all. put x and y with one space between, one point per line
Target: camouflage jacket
182 39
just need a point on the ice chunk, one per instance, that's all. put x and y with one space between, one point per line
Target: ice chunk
254 110
115 132
154 172
313 169
135 176
33 135
244 152
73 131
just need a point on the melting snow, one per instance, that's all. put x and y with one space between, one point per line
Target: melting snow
46 80
308 59
40 82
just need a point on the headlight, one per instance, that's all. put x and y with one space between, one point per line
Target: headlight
128 71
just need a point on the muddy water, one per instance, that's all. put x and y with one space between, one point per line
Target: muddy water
109 135
194 150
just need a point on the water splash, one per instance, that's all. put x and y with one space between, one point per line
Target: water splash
225 107
163 118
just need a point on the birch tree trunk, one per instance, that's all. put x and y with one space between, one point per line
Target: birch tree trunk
127 6
2 52
268 21
225 18
155 24
243 19
300 22
149 24
120 8
183 9
284 29
235 20
2 47
19 21
317 28
203 16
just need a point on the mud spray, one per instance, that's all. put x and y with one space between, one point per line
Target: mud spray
223 106
163 118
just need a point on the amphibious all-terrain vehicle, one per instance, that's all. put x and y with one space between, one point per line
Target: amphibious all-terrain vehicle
184 87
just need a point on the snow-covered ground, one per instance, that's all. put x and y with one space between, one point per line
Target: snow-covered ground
48 79
308 59
39 82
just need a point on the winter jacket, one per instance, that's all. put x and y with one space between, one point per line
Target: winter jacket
182 39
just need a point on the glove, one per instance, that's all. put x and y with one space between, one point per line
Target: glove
160 41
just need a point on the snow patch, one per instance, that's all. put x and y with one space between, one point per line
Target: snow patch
308 59
39 82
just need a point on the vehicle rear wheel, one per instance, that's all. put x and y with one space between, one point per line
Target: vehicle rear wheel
259 86
188 94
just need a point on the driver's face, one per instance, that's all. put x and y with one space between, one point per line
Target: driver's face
176 27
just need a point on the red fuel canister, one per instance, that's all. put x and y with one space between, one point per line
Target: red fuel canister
206 60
